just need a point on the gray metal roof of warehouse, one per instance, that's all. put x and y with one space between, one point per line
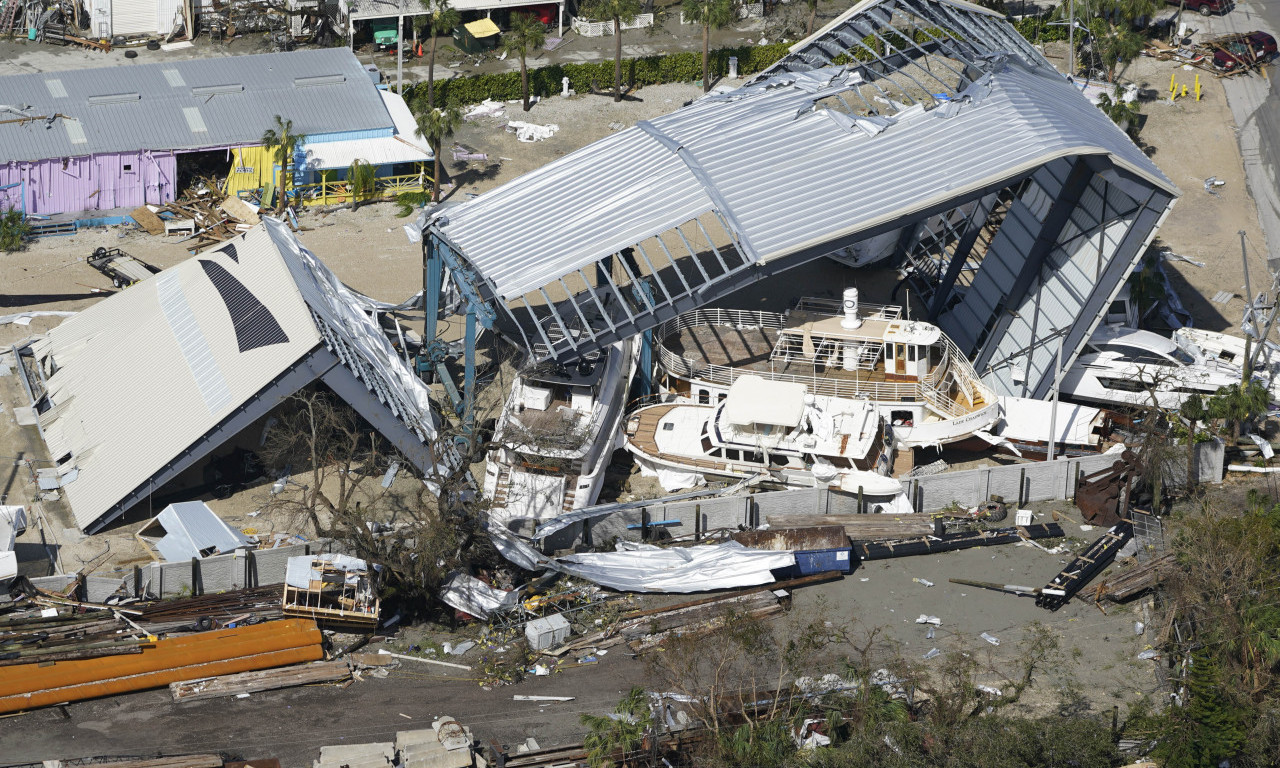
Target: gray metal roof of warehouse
188 104
785 175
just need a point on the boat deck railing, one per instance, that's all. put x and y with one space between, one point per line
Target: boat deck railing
930 390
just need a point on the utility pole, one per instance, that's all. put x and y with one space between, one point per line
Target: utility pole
1071 40
1057 385
1251 329
400 54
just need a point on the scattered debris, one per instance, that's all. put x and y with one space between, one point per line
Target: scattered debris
335 589
949 542
1131 582
990 638
529 132
189 529
385 652
122 269
925 619
1084 567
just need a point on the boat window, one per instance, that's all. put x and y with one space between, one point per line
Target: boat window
668 426
716 453
753 457
731 454
840 462
1123 385
704 397
1130 354
778 460
706 443
720 398
911 353
1181 356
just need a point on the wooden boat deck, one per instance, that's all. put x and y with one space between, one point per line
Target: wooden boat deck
643 438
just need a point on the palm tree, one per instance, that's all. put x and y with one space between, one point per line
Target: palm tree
526 34
441 20
435 125
282 143
362 179
622 12
1115 37
1238 404
711 14
813 16
623 732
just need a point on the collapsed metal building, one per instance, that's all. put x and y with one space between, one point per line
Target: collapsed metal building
925 135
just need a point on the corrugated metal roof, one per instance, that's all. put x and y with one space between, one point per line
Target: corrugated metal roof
129 363
790 175
193 530
150 106
404 147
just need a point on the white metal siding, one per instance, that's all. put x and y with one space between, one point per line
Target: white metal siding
133 17
168 13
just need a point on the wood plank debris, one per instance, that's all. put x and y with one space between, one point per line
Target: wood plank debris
949 542
1131 582
1085 566
263 680
860 527
174 761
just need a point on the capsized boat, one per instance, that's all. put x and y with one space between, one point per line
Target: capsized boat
767 429
556 434
908 370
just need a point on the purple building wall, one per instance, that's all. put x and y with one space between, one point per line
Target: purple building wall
94 183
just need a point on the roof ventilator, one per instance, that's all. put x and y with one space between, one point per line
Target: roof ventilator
115 98
303 82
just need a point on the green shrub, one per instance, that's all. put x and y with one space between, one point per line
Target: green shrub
14 231
647 70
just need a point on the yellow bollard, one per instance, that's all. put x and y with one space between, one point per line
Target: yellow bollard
1173 86
1197 87
1184 91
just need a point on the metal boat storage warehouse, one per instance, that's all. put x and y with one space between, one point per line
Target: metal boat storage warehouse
926 135
120 137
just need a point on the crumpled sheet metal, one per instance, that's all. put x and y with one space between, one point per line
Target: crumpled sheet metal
646 568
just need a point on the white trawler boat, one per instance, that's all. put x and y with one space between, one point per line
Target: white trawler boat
907 370
773 430
556 434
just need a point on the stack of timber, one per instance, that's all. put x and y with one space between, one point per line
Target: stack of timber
1136 580
256 682
235 607
948 542
205 654
39 634
861 527
1085 566
203 214
172 761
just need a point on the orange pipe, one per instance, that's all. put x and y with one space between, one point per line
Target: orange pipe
223 652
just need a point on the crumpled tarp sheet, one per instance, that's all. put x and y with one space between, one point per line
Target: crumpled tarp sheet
471 595
671 479
646 568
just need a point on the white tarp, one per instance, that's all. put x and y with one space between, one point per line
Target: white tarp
1028 420
471 595
646 568
671 479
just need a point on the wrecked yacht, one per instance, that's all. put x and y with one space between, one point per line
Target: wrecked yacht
908 370
1134 368
771 429
556 435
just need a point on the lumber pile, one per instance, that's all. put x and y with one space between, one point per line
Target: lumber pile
203 215
1134 581
43 628
263 680
233 607
173 761
860 527
1085 566
204 654
949 542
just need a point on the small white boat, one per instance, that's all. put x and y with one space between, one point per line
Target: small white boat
1130 367
556 435
1208 346
772 430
